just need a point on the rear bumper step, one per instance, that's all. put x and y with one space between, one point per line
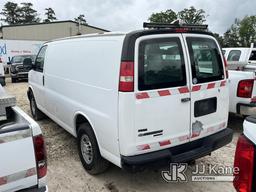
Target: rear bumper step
180 154
35 189
246 109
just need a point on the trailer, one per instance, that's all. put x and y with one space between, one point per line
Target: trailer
11 48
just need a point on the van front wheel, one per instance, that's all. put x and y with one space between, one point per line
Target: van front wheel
36 113
89 151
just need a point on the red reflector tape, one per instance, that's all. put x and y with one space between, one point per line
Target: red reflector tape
163 143
143 147
183 138
30 172
164 93
223 83
210 129
211 86
142 95
196 88
17 176
183 90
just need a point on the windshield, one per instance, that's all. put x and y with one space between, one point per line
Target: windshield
20 58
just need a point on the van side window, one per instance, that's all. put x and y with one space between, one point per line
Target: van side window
253 56
39 62
234 55
161 64
205 59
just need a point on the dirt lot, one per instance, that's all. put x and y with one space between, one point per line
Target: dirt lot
65 172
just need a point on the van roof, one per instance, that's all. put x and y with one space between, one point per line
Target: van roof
89 35
131 33
131 37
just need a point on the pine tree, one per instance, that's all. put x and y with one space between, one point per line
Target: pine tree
50 15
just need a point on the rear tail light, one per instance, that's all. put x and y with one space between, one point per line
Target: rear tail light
244 160
245 88
226 66
40 154
126 81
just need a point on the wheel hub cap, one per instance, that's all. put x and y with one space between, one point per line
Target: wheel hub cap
86 149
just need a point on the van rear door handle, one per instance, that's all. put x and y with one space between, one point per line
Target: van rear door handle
43 80
184 100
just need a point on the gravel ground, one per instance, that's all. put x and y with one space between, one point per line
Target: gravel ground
65 172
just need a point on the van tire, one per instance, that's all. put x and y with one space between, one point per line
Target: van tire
96 164
36 113
2 81
14 80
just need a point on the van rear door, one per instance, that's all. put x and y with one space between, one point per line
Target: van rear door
162 109
209 92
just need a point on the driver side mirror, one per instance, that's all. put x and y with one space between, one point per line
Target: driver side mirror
28 63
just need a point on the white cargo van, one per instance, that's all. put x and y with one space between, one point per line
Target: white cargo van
135 98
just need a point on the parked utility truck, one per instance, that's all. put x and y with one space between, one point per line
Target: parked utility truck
241 63
241 54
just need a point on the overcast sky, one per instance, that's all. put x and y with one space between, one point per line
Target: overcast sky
124 15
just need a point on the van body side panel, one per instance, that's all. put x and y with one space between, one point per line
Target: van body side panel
82 75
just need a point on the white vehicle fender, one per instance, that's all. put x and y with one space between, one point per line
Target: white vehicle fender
88 119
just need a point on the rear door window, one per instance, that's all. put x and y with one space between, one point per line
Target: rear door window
205 58
161 64
234 55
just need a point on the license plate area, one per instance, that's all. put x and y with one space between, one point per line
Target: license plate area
205 107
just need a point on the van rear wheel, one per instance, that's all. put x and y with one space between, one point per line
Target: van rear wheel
14 80
36 113
89 151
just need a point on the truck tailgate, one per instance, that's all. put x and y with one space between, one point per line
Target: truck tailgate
17 158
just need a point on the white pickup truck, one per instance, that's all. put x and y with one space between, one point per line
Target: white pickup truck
241 64
245 158
242 92
22 150
241 54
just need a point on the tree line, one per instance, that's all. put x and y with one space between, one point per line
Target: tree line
24 13
240 34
